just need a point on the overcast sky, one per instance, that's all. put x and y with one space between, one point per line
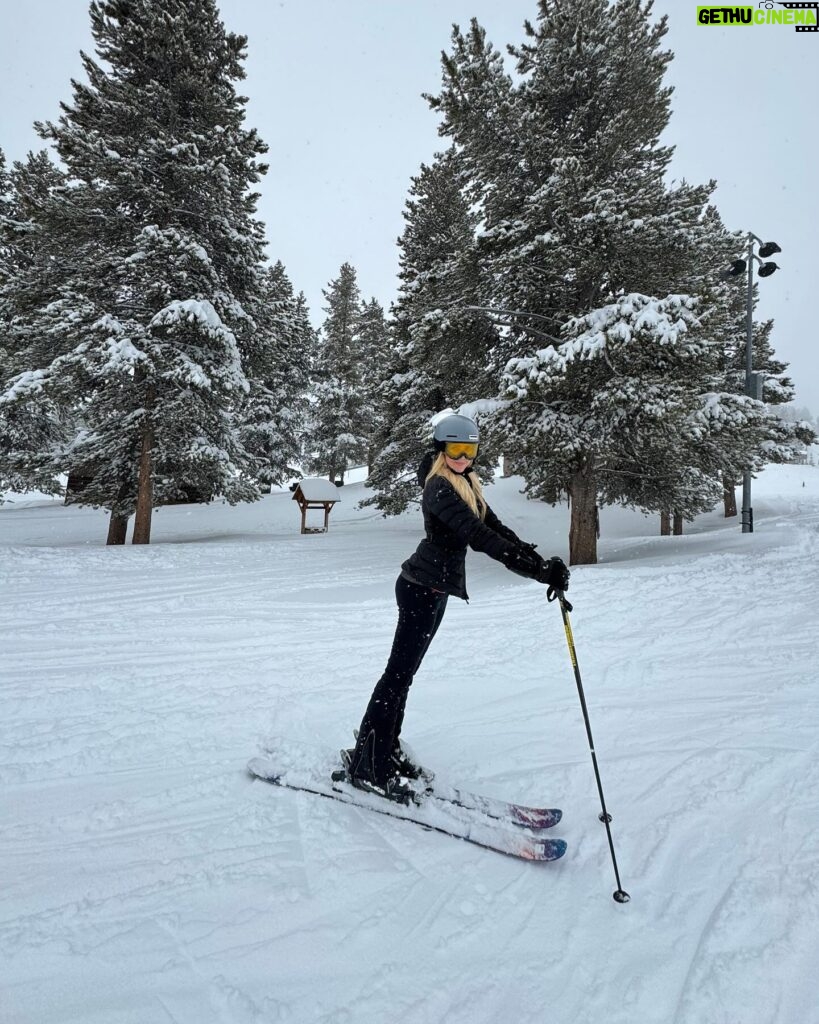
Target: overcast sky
335 90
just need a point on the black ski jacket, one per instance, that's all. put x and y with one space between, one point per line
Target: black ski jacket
451 526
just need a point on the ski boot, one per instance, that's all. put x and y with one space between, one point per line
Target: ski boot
404 764
394 788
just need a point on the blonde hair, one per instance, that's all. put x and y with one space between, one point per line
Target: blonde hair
469 490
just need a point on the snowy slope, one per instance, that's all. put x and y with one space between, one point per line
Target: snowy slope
147 879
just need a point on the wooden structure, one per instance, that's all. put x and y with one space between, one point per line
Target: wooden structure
315 492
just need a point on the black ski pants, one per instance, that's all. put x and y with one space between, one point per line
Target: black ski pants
420 610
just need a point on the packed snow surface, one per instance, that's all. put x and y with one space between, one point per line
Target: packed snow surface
147 878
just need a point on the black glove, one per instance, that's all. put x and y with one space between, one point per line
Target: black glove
520 558
554 573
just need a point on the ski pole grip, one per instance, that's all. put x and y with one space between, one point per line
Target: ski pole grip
552 594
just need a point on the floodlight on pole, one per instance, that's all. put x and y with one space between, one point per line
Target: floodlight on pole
753 381
736 268
766 269
768 249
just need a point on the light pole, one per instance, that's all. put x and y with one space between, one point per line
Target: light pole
753 381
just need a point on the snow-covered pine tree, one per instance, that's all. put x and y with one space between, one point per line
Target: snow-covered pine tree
375 346
339 432
719 315
31 268
720 431
725 321
784 439
628 365
441 346
566 164
661 424
155 313
6 219
304 330
277 363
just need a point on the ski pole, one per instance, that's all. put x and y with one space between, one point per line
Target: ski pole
620 895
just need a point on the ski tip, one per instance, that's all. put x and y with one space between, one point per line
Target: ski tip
259 768
542 817
549 849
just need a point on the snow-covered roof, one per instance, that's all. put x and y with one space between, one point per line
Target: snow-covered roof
315 488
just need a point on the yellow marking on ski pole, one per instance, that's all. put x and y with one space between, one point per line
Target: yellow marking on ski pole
570 640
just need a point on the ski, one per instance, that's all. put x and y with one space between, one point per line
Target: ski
429 812
535 818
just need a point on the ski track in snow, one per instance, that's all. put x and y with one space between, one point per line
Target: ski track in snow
148 879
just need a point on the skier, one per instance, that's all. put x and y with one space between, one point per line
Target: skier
455 515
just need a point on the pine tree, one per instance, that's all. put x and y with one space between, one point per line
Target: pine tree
580 229
442 340
155 315
6 220
375 348
726 324
340 429
784 439
31 267
272 417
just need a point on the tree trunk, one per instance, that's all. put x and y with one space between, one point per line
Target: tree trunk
118 523
145 488
678 524
665 524
729 497
117 529
584 522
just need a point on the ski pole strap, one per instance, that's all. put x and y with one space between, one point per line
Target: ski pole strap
553 595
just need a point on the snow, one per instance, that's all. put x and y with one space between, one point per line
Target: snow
147 878
192 309
28 383
203 313
319 489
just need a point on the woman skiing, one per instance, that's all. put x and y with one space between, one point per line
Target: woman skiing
456 515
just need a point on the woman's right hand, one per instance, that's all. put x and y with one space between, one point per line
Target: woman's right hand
554 573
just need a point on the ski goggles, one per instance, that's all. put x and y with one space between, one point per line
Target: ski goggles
460 449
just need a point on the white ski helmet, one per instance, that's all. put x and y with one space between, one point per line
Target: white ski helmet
453 429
